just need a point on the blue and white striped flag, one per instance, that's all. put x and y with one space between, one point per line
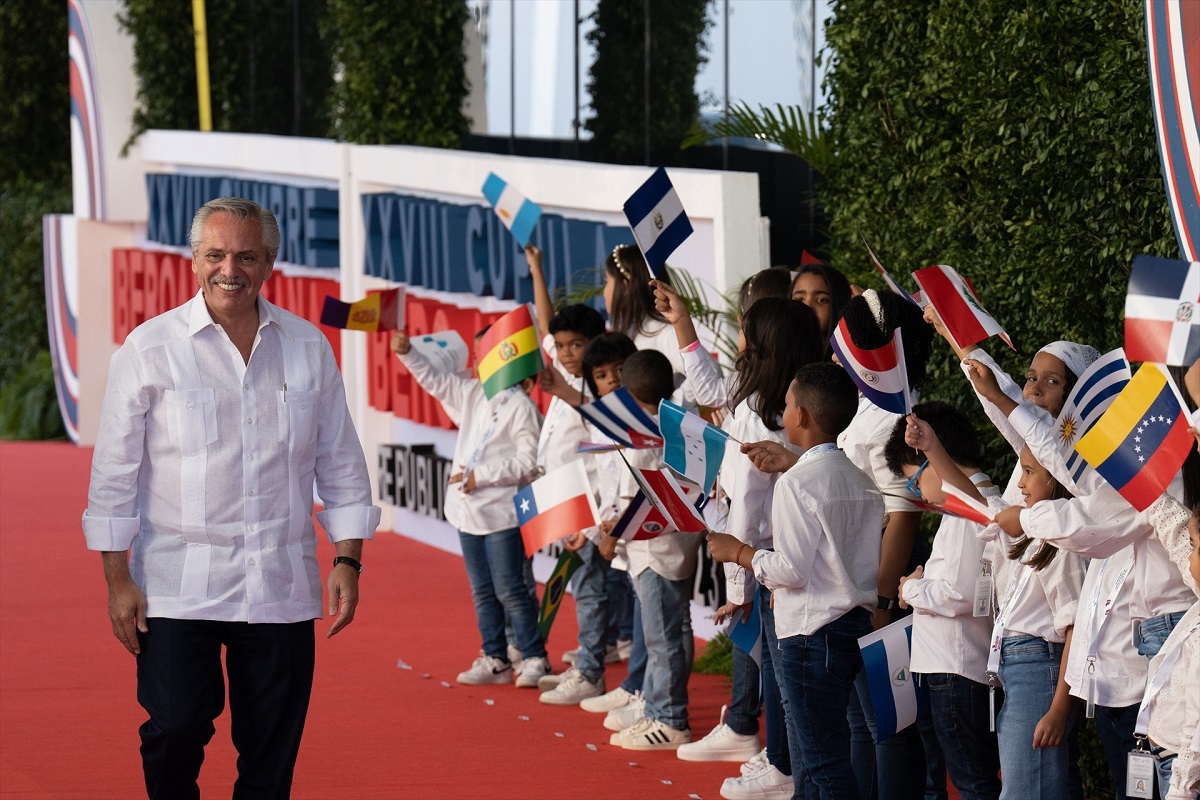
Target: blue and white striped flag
895 696
657 218
619 417
692 447
518 213
1094 392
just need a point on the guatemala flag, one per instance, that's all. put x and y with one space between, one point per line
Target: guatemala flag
894 694
880 374
517 213
657 218
692 447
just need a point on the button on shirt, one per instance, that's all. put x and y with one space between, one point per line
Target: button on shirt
205 465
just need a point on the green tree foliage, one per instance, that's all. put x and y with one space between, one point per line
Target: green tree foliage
402 71
617 81
34 135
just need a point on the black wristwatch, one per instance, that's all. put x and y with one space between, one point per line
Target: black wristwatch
353 563
884 603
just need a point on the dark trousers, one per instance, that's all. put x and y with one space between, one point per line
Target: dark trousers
181 686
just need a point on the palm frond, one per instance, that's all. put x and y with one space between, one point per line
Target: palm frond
790 127
721 321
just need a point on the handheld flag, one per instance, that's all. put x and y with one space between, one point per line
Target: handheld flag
665 493
657 218
446 350
556 589
895 696
955 300
620 418
692 447
961 504
892 283
1162 311
555 505
517 213
509 352
1140 443
378 311
1094 392
596 447
880 374
747 635
641 520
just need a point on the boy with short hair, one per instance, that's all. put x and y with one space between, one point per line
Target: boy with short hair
826 515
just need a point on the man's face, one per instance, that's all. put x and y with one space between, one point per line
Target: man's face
231 265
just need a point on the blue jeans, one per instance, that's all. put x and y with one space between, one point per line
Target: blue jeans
1162 766
960 714
591 610
621 626
893 769
774 715
495 564
667 628
1029 669
510 632
817 675
1154 632
1115 726
744 699
637 648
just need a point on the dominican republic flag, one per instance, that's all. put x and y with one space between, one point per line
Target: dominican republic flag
961 504
556 589
692 447
1162 311
555 505
880 374
517 213
747 635
1140 443
894 694
657 218
665 493
378 311
1094 392
955 300
893 284
641 520
620 418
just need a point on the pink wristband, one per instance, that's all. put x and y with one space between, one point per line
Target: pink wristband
690 347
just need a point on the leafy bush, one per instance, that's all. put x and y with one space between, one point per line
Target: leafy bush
29 402
33 71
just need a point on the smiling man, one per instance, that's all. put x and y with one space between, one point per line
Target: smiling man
219 418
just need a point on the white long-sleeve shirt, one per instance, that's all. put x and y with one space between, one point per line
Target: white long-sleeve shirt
205 465
671 555
864 442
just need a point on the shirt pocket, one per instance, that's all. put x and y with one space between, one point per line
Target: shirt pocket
298 418
192 419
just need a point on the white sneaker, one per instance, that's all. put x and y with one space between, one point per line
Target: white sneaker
767 782
607 702
622 717
532 670
650 734
548 682
754 764
612 653
623 648
570 656
721 744
573 688
485 670
514 657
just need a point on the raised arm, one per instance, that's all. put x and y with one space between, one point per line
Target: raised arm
674 310
541 295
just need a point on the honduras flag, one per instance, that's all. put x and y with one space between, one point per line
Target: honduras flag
517 213
692 447
620 418
1094 392
896 698
657 218
880 374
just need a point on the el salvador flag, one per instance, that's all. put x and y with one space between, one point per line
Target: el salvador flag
517 213
692 447
657 218
880 374
894 694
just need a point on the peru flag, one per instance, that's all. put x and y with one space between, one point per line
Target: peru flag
960 504
955 300
880 374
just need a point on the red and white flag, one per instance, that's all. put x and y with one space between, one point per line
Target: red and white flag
960 504
1162 311
555 505
665 493
955 300
893 284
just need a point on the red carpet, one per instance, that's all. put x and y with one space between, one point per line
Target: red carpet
69 718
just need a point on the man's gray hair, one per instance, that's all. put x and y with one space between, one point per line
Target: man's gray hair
242 209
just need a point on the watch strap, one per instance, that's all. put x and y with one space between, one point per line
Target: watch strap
353 563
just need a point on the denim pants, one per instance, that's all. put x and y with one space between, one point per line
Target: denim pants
591 610
667 628
1115 726
893 769
495 564
774 714
959 708
1029 667
620 606
637 648
744 701
816 674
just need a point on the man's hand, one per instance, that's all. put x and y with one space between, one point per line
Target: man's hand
343 596
770 456
127 610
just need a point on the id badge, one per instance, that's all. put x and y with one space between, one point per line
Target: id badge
983 596
1139 775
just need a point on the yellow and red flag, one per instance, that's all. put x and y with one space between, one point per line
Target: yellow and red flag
378 311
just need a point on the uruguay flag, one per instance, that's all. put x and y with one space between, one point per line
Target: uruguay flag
1094 392
517 213
657 218
620 418
1162 311
555 505
692 447
880 374
894 694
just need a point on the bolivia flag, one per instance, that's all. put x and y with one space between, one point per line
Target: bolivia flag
378 311
508 353
554 506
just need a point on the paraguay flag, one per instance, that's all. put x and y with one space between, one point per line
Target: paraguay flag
1162 311
1140 443
657 218
896 698
641 520
880 374
556 589
620 418
692 447
955 300
517 213
1094 392
509 352
555 505
378 311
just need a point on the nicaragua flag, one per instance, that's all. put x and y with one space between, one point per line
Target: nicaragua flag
1140 443
880 374
555 505
641 520
1162 311
517 213
955 300
692 447
1094 392
747 635
894 694
378 311
620 418
657 218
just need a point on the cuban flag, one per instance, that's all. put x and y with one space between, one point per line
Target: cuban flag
692 447
880 374
1162 311
666 495
517 213
955 300
917 299
641 520
1094 392
620 418
960 504
894 694
657 218
747 635
554 506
